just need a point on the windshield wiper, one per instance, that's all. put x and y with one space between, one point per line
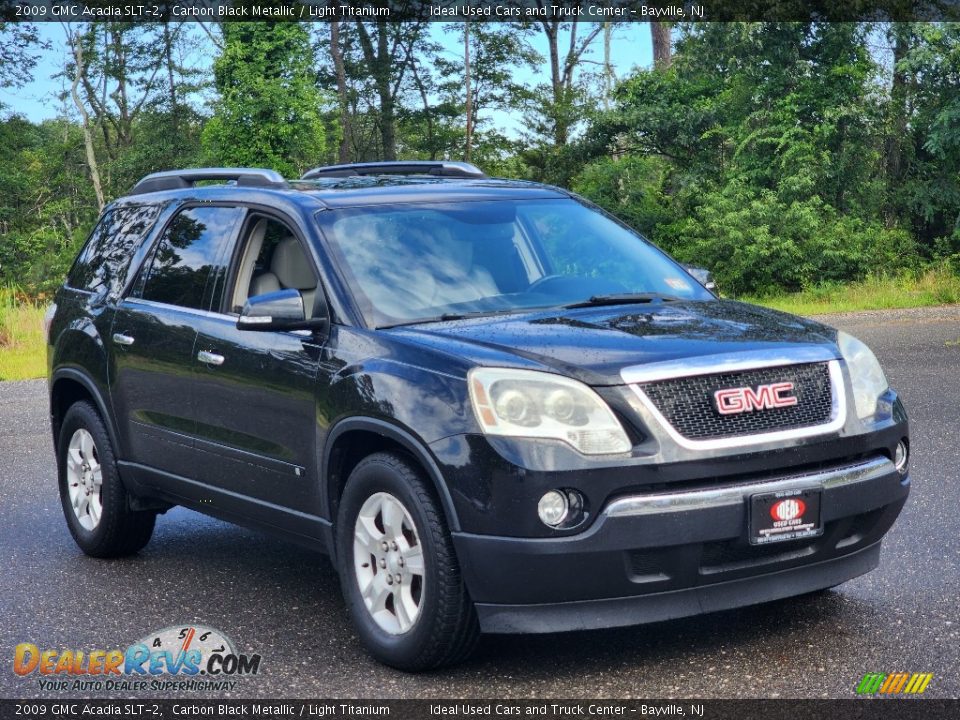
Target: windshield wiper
622 299
446 317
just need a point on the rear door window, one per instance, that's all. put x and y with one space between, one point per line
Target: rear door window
189 254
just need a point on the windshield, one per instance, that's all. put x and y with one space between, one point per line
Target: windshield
422 262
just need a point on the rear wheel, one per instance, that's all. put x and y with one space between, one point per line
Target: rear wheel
398 569
95 503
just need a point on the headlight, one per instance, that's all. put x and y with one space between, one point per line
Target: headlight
869 382
526 403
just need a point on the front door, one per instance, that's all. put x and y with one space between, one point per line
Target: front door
255 391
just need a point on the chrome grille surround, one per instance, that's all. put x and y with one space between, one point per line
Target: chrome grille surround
734 363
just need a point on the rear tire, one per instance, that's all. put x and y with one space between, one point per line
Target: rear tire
398 569
95 502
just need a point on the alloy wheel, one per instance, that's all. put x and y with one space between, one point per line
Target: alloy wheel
388 563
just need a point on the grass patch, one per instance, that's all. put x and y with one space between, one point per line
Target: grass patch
933 287
23 352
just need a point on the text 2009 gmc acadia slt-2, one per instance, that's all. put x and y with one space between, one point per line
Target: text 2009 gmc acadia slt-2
496 407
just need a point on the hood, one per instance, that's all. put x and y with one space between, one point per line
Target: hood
595 344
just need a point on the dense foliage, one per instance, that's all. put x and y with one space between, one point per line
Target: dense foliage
765 153
268 112
781 156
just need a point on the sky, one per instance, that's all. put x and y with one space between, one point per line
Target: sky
38 101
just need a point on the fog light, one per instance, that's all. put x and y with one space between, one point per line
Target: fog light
900 457
553 508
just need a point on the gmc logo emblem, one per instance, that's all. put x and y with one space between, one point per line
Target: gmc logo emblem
764 397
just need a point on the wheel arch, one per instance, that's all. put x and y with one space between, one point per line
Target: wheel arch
69 386
352 439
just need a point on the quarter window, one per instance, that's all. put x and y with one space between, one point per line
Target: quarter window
189 252
103 263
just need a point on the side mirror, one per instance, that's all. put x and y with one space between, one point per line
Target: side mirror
702 276
280 310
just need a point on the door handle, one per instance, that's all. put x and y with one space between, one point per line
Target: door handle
210 358
121 339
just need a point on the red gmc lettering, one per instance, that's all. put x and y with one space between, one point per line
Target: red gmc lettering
738 400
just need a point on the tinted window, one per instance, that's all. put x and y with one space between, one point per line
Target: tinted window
189 251
104 260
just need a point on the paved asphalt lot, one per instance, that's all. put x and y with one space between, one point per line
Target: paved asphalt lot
283 602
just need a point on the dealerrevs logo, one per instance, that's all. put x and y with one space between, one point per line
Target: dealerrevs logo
184 657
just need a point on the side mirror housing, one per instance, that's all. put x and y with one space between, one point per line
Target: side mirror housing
280 310
702 276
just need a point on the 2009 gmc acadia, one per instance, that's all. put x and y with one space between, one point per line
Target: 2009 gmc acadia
495 406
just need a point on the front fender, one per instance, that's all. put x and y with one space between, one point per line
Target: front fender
403 437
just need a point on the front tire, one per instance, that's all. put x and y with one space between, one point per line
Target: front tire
94 500
398 569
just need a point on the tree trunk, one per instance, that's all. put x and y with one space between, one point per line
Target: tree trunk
562 76
79 71
469 102
171 85
388 123
556 81
608 76
168 57
427 110
346 137
380 66
662 49
897 125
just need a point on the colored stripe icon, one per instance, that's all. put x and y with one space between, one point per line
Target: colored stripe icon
894 683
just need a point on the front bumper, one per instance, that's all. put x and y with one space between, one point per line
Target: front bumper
656 556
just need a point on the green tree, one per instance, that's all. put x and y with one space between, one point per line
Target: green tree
496 53
47 204
19 46
927 199
123 77
269 112
773 136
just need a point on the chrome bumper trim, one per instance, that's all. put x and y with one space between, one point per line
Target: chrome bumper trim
734 495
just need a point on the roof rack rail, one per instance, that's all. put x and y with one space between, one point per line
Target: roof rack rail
438 168
179 179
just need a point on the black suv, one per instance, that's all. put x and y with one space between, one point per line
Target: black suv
496 407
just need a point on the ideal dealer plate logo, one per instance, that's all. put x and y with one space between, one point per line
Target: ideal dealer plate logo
180 657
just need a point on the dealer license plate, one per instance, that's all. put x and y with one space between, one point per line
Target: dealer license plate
785 515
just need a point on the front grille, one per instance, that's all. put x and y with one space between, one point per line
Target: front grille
688 403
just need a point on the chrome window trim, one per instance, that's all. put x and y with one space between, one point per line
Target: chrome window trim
180 308
230 318
659 503
736 362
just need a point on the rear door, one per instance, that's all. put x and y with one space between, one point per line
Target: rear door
255 392
153 335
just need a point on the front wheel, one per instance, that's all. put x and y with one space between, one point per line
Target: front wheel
94 500
398 569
